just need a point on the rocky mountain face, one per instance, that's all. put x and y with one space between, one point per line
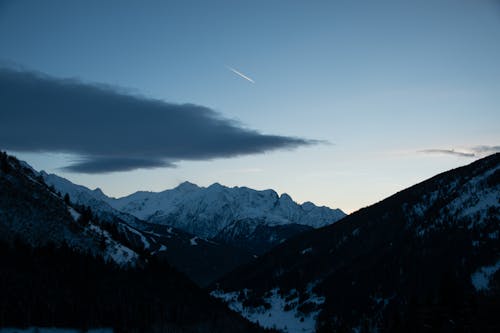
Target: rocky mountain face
207 211
253 221
221 213
426 259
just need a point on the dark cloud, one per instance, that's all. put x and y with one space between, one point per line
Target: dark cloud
476 151
102 165
116 131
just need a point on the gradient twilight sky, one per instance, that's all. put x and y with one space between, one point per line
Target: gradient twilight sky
386 83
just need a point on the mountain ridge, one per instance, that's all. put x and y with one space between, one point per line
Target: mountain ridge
424 259
206 211
239 216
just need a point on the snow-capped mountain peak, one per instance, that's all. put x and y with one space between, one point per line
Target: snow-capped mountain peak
98 193
186 187
206 211
236 216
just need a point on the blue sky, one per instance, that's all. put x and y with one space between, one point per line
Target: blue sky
383 82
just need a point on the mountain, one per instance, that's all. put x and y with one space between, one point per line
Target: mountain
202 260
30 210
63 267
256 236
95 199
240 217
207 211
228 214
426 259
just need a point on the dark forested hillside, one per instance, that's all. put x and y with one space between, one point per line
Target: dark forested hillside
258 237
203 261
53 286
426 259
29 208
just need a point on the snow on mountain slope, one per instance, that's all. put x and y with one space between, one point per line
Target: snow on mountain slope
473 199
94 199
30 210
207 211
425 259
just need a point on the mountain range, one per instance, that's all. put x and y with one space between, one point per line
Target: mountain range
426 259
216 210
206 231
239 216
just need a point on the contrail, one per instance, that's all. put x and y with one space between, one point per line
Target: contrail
240 74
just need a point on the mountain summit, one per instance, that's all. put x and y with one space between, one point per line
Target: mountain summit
210 211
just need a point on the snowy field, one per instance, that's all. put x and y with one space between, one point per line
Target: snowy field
282 314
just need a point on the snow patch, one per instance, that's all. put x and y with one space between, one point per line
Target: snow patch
493 235
152 233
74 214
141 236
282 313
162 248
381 301
114 251
305 251
481 278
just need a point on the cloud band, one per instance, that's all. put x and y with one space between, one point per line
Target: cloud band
476 151
114 131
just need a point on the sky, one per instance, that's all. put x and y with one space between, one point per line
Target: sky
341 103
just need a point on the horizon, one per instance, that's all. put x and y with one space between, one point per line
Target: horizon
335 103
